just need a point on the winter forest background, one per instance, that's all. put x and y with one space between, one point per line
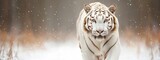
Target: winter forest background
46 29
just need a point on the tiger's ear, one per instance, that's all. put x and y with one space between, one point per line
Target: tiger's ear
87 8
112 9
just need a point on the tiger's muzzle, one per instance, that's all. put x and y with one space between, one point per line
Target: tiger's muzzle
99 34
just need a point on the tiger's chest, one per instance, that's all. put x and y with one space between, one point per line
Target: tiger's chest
98 49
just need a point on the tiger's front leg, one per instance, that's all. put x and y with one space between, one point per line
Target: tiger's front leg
87 53
114 53
88 56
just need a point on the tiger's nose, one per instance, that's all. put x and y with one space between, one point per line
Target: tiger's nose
99 31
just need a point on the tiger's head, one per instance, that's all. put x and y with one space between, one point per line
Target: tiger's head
99 20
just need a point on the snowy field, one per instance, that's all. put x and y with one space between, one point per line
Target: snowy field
70 51
53 51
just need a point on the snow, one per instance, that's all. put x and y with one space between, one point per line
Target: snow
44 8
27 26
55 14
50 6
69 50
40 27
35 30
130 4
43 20
53 51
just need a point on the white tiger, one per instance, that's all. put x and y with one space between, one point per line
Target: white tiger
97 31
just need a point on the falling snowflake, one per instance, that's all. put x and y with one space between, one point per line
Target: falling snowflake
154 26
17 8
40 27
37 14
135 22
55 14
130 4
28 11
43 20
58 24
27 26
45 12
136 26
44 8
50 6
35 30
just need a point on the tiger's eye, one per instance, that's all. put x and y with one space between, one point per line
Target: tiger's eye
91 16
103 12
93 20
96 12
106 20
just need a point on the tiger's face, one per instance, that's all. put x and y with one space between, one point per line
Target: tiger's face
99 22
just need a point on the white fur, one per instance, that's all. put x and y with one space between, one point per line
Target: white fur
113 54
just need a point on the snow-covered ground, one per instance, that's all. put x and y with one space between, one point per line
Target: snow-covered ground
69 50
53 51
